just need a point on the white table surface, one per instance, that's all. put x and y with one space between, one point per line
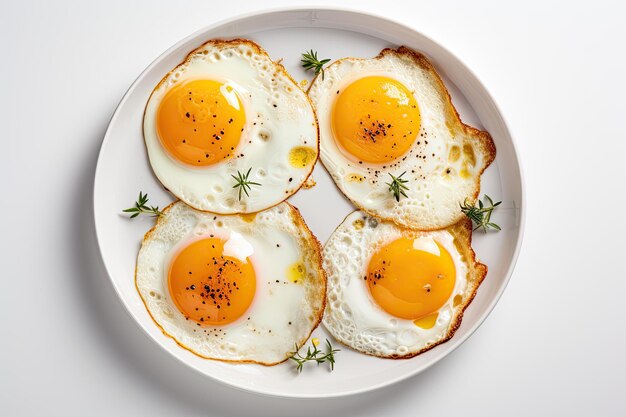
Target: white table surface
554 345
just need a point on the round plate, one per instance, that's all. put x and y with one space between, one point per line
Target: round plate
123 170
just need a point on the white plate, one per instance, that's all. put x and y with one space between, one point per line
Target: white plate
123 170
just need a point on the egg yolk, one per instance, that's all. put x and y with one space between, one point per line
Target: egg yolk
375 119
208 287
199 122
410 283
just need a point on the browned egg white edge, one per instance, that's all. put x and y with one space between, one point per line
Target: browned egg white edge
477 271
316 248
482 138
280 68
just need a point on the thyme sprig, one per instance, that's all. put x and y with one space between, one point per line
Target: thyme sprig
309 61
315 354
397 187
481 215
141 207
243 183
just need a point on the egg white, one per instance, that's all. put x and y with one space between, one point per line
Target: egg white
353 316
435 187
279 117
283 313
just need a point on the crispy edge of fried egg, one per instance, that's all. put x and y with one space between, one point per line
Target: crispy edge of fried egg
480 138
223 43
314 247
476 273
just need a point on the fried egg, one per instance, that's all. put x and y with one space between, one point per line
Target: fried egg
228 110
395 292
392 116
241 288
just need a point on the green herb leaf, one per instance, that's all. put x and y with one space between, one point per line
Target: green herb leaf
397 187
243 183
309 61
315 354
481 215
141 208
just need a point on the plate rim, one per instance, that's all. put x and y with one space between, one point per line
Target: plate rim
305 8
